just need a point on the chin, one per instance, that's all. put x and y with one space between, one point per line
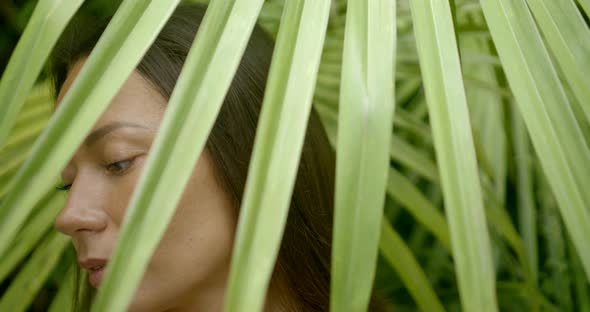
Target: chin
144 301
145 305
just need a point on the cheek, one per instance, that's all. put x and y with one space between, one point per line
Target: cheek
194 254
120 191
203 226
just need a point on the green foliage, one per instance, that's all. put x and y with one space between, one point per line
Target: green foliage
362 152
285 111
481 172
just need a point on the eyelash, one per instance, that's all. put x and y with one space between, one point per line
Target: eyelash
63 187
116 163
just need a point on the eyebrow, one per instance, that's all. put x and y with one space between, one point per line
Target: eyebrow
102 131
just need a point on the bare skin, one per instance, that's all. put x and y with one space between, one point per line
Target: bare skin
190 267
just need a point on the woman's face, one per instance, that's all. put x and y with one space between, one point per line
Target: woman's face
189 268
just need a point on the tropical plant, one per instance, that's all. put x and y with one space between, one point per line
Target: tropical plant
461 129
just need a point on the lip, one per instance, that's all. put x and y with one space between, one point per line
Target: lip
94 274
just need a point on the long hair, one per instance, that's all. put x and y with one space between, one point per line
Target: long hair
304 256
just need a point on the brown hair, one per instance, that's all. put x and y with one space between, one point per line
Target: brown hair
304 256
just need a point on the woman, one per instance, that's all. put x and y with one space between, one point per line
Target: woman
189 269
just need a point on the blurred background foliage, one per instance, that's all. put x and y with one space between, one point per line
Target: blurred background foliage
14 15
538 273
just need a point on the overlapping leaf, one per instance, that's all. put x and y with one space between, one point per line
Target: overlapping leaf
364 130
285 111
449 117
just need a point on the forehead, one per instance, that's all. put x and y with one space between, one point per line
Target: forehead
137 101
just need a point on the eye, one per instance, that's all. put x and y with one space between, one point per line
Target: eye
65 187
119 167
115 168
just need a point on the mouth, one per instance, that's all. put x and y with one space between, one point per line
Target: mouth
95 268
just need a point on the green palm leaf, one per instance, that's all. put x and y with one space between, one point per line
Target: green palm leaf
285 111
413 158
114 57
546 111
568 36
469 111
195 109
585 4
364 127
30 279
527 211
401 258
62 301
455 152
402 189
44 27
26 240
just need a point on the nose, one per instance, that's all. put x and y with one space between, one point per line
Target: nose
83 210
